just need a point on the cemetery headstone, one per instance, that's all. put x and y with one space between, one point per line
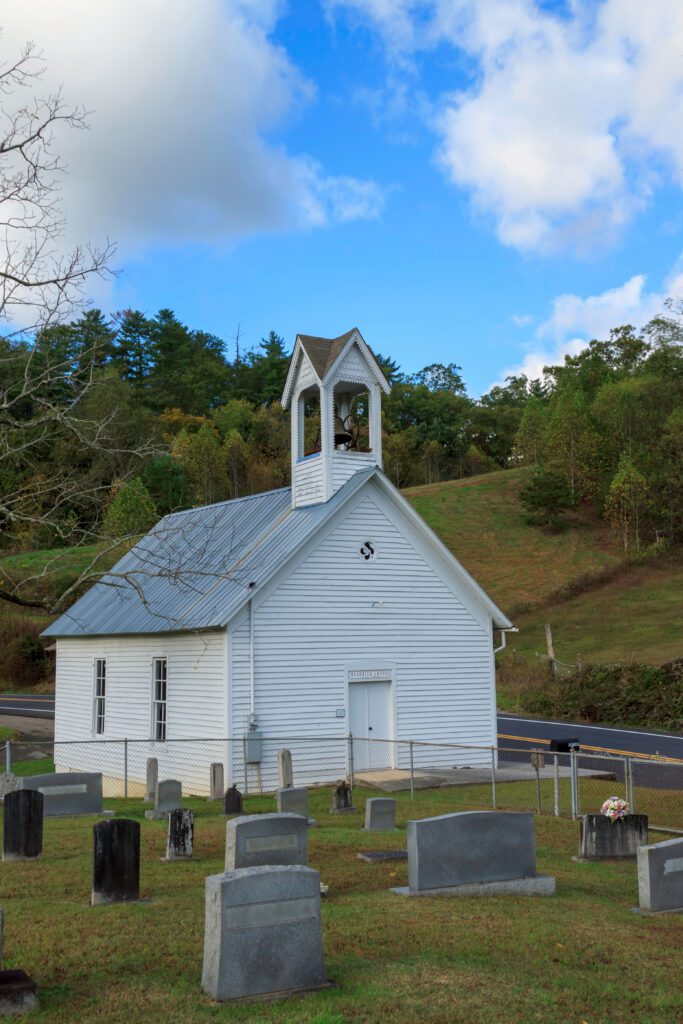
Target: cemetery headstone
23 825
342 799
660 877
232 801
257 840
116 861
284 769
293 801
474 853
67 793
601 838
216 781
180 836
18 993
169 796
152 780
8 783
263 933
380 814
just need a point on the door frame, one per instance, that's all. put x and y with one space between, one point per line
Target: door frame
388 675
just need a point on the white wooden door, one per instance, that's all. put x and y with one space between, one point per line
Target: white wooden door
370 722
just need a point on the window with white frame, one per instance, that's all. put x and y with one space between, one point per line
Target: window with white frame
159 699
100 694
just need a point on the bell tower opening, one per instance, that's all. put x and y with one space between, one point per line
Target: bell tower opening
334 388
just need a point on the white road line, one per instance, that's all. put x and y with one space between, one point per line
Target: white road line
600 728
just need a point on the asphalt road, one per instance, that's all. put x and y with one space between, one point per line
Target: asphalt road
514 732
28 705
520 733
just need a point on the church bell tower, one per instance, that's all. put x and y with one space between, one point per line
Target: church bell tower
334 390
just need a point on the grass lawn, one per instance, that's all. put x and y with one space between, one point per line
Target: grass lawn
581 956
634 616
482 522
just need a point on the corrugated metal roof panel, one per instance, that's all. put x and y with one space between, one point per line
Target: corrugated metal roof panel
193 570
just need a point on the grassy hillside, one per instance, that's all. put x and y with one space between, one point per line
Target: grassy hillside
520 566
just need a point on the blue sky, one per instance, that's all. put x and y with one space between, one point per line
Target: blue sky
488 183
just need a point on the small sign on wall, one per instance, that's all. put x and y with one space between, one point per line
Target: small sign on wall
340 713
368 675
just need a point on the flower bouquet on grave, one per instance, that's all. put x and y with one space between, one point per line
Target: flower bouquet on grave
615 808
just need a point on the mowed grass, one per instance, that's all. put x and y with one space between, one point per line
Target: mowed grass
636 616
482 522
579 956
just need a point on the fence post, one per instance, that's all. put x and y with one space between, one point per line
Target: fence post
244 759
412 773
556 785
574 783
125 767
493 777
8 756
350 760
628 778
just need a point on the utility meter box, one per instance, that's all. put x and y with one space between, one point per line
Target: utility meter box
253 744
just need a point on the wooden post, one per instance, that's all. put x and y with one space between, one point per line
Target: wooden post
551 649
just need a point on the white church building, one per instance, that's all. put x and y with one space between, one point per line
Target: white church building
290 618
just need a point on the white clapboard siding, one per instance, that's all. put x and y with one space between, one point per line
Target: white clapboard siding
308 476
336 611
345 464
196 705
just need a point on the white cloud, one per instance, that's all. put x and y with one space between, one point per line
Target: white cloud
185 100
575 320
522 319
570 119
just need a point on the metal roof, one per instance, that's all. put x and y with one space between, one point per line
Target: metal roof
195 569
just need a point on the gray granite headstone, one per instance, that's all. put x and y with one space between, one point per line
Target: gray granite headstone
380 814
256 840
293 801
284 769
169 797
263 933
116 861
474 852
67 793
180 837
152 780
600 837
660 876
23 825
216 781
232 801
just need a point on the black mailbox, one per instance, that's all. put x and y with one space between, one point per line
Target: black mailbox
564 746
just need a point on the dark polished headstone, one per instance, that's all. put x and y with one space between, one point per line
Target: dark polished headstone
180 835
18 993
342 799
116 861
23 825
232 801
600 838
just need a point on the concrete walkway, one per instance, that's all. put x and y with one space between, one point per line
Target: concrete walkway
394 780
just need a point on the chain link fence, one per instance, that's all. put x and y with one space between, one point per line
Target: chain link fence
564 785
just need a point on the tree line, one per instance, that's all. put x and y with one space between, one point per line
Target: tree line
111 422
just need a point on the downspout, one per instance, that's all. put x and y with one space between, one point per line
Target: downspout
503 636
252 721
